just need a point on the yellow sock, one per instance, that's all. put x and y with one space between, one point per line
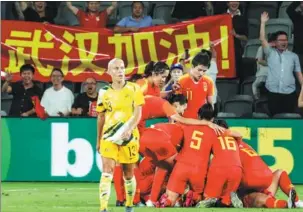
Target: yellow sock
130 188
104 190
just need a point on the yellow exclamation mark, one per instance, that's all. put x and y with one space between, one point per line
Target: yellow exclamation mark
224 46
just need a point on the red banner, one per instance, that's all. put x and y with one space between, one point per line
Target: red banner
81 52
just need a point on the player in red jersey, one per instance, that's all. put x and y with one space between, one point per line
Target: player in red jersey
259 185
155 75
156 107
225 171
256 174
193 158
162 151
196 86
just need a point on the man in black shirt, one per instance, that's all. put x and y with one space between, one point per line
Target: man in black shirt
295 12
22 91
85 103
39 12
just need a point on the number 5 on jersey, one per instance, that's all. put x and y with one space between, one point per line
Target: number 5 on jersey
196 140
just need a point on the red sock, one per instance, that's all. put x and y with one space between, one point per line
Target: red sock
157 184
137 174
285 184
119 183
271 202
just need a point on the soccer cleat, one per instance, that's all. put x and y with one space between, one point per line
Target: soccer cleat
189 201
140 205
235 201
207 203
119 203
149 204
104 210
292 198
299 204
129 209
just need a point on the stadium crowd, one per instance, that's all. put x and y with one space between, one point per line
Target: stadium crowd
263 80
188 93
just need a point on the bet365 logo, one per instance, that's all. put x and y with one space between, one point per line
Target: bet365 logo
63 149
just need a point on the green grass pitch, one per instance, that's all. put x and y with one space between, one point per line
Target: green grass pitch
80 197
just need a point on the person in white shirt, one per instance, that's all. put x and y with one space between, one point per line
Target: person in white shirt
57 100
212 72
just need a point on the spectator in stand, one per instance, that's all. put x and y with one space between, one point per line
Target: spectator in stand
295 12
92 18
194 9
155 75
282 64
176 71
36 12
300 100
85 103
57 100
212 72
134 22
240 32
262 67
22 92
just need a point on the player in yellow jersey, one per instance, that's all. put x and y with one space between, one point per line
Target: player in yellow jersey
119 106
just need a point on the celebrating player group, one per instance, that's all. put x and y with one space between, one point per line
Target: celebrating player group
192 161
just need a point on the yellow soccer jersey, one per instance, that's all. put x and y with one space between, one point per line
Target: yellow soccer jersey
118 105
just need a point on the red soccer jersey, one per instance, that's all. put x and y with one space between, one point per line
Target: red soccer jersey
197 145
196 93
226 151
88 20
175 131
155 107
250 159
147 88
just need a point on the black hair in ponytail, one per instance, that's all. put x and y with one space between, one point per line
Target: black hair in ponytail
156 68
202 58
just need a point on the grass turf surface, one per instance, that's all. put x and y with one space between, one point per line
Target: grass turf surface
76 197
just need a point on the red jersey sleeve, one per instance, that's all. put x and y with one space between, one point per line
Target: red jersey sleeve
210 86
168 109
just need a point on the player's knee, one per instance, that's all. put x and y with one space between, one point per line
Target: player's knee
278 172
128 171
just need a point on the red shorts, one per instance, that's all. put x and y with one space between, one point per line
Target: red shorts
258 180
221 181
184 174
156 144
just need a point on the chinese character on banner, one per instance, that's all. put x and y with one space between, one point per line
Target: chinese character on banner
87 55
23 40
124 40
192 37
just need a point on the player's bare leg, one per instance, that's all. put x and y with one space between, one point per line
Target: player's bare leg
105 182
159 179
130 185
168 199
282 180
